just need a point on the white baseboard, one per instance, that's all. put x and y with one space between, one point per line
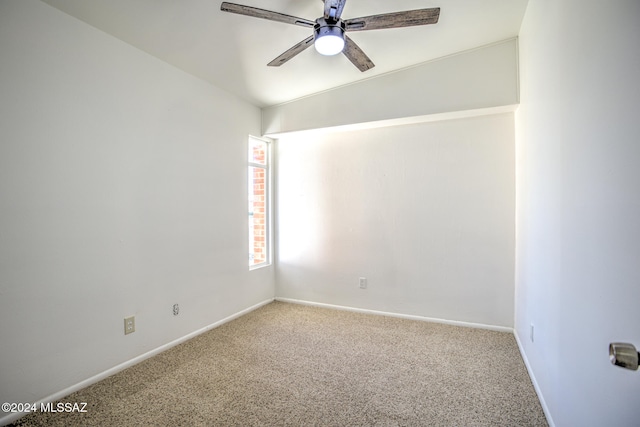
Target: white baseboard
99 377
536 387
399 315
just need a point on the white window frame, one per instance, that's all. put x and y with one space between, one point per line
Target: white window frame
268 208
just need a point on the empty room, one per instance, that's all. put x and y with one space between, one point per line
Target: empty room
338 213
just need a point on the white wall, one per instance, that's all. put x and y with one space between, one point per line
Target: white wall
122 192
425 212
578 206
481 78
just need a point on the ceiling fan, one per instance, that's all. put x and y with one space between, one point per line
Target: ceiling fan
329 31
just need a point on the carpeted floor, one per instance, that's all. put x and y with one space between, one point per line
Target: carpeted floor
294 365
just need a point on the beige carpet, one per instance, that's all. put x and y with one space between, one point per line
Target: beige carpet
293 365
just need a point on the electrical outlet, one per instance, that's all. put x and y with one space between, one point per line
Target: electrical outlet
176 309
129 325
531 332
363 283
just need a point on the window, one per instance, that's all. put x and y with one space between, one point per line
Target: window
259 206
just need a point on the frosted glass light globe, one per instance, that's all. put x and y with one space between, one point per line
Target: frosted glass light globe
329 44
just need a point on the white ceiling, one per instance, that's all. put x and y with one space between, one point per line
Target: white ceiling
232 51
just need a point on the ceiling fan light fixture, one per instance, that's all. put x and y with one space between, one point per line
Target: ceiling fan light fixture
329 38
329 45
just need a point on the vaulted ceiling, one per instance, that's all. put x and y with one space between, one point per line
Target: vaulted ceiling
232 51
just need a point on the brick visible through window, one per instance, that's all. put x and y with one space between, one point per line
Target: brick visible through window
258 202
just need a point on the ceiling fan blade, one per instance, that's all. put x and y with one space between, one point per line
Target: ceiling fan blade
356 55
333 9
291 52
265 14
407 18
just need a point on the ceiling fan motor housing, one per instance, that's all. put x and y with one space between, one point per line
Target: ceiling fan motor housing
330 28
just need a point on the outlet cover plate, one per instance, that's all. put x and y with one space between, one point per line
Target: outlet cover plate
129 325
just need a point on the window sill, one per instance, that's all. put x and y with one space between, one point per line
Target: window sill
258 266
